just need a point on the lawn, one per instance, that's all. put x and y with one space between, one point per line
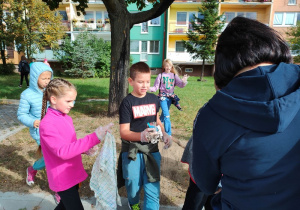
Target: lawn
192 97
18 151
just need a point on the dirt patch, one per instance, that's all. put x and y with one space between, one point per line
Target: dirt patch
18 152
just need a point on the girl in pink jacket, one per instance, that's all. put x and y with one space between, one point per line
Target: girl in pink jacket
60 146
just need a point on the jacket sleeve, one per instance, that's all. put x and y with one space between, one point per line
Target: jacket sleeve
23 112
156 84
20 66
56 143
179 82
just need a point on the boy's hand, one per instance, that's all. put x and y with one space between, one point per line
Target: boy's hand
36 123
167 140
145 135
101 131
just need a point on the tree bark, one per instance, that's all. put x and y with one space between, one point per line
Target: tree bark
120 53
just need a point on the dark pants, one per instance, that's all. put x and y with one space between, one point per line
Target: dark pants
194 199
69 199
23 74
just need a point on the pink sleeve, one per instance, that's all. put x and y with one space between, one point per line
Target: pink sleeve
179 82
156 84
66 146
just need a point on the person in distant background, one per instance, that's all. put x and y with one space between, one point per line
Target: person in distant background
32 61
24 70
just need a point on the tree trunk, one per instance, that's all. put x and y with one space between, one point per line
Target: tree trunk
120 53
202 71
3 53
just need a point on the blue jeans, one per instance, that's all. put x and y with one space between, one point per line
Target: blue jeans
134 173
165 115
39 164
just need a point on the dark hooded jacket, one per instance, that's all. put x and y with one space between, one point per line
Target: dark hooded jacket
248 136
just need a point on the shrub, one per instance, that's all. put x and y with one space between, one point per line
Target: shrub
7 69
87 56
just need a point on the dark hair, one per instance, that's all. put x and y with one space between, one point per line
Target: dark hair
139 67
245 43
23 58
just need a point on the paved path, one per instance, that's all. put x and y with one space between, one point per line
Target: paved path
10 125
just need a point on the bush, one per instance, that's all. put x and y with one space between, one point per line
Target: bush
8 69
87 56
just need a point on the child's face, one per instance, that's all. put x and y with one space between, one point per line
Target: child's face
167 67
44 79
64 103
140 84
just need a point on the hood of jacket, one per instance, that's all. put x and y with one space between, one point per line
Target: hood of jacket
35 71
265 99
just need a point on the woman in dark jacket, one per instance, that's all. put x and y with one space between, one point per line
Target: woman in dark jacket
248 134
24 70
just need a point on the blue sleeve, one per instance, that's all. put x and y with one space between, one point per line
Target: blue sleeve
23 113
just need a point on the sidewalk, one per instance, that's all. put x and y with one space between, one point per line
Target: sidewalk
10 125
45 201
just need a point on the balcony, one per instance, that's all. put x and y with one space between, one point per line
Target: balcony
91 26
176 28
66 24
181 57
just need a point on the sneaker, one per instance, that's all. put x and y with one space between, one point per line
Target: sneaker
20 86
134 207
56 198
30 175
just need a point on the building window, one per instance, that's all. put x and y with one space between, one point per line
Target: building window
188 70
292 2
179 46
155 22
230 15
286 18
134 46
181 18
63 14
145 27
154 47
89 16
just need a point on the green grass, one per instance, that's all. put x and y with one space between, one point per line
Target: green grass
192 97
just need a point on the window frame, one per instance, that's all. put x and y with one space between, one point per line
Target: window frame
176 47
283 22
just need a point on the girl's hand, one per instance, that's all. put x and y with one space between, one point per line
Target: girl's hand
36 123
184 78
101 131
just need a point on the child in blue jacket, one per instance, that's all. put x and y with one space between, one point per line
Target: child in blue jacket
29 111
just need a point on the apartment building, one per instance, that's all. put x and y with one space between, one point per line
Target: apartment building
147 40
95 21
161 38
180 15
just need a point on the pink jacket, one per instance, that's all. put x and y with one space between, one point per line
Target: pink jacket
167 83
62 151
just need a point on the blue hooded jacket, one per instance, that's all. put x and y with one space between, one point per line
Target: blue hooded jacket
30 106
248 136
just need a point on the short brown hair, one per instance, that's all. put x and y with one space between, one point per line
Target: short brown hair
139 67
